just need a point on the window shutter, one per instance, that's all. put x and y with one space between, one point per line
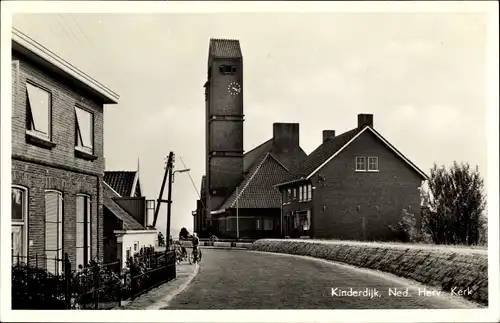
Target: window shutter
53 230
80 209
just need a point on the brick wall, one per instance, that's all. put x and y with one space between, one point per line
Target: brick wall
37 179
58 168
379 195
223 135
64 99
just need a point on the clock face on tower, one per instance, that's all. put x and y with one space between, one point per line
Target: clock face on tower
234 88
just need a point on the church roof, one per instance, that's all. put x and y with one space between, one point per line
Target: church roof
225 48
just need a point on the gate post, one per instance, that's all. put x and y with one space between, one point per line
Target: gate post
67 280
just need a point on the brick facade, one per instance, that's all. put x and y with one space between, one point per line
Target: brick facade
39 168
361 205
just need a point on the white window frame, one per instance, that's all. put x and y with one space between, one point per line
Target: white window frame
150 212
60 232
31 125
289 196
368 164
79 145
356 164
22 223
87 232
309 192
136 246
300 193
258 224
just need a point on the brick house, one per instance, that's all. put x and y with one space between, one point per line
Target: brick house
353 186
238 183
128 216
57 157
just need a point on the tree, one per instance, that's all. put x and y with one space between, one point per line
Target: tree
455 202
184 234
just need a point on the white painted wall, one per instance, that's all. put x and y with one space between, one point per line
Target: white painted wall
145 238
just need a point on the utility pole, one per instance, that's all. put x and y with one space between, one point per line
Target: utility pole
168 174
169 198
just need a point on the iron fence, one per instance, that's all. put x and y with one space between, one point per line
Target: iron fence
43 283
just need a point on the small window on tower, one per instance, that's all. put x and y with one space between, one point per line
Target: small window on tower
227 69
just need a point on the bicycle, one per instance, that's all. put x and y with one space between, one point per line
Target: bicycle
195 256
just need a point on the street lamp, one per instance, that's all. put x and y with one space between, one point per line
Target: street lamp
179 171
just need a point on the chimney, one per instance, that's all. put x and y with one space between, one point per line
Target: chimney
286 137
328 134
365 120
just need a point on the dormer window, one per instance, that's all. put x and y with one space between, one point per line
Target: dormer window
227 69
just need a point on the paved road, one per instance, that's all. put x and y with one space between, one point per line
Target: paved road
235 279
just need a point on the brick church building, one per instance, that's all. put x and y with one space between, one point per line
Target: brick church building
238 184
353 186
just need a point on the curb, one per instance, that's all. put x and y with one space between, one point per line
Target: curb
163 303
223 248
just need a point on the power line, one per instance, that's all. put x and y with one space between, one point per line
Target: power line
83 33
192 182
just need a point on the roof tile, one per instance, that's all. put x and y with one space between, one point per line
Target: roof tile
120 181
225 48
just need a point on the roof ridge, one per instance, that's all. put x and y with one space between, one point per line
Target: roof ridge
251 178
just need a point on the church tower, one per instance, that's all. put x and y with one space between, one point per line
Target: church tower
224 122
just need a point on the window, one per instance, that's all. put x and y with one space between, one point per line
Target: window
259 224
294 193
150 212
300 193
53 231
136 246
39 111
84 130
289 196
309 192
372 164
19 218
360 163
83 230
227 69
128 254
268 224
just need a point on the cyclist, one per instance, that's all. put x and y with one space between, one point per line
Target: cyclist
196 242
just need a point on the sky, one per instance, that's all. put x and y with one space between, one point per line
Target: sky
422 76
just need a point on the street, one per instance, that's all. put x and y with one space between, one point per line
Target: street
236 279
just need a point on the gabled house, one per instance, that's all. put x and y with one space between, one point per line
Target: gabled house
57 158
128 216
353 186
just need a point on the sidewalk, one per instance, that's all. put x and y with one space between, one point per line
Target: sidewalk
159 297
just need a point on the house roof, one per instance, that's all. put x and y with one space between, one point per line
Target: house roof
331 148
129 223
251 161
225 48
257 189
40 54
123 182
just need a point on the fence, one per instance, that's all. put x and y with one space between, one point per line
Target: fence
42 283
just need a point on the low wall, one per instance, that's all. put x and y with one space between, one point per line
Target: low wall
441 267
219 244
